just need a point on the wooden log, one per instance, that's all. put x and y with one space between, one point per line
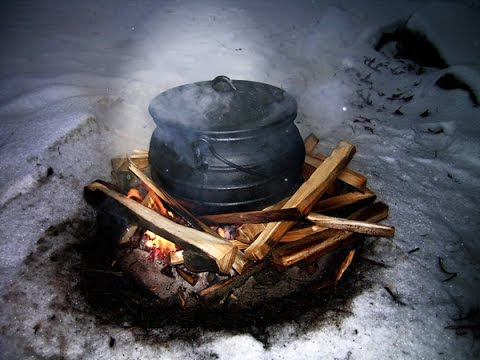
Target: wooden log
125 240
299 234
219 291
174 204
310 142
191 278
303 199
332 203
221 252
247 233
176 258
339 201
254 217
376 212
348 176
290 255
140 159
240 262
344 265
361 227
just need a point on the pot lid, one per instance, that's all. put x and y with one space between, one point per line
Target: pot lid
223 105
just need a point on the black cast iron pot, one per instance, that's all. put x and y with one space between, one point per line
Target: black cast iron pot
226 146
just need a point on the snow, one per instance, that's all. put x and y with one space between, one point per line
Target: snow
76 79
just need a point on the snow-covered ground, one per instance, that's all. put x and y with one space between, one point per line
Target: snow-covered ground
76 79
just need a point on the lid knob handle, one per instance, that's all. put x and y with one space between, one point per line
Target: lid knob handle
223 83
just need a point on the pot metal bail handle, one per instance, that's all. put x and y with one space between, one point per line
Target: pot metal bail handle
201 162
223 83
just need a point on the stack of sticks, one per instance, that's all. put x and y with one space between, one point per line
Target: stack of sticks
297 230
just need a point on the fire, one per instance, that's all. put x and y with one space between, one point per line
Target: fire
158 246
135 194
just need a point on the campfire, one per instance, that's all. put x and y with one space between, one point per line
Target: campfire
244 257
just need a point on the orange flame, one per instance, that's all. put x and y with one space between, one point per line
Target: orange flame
135 194
158 204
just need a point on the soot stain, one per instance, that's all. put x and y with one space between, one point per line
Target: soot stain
115 300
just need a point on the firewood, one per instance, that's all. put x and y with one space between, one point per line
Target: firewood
302 237
356 226
221 253
339 201
344 265
299 234
289 255
133 229
254 217
127 236
191 278
140 159
176 258
348 176
239 244
247 233
310 142
240 262
303 199
168 199
219 291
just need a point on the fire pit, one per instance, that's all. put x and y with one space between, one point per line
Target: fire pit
239 260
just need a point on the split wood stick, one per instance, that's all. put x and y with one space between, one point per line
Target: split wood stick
247 233
356 226
310 142
219 291
168 199
338 238
176 258
339 201
254 217
348 176
239 244
303 199
314 234
344 265
240 262
139 159
220 251
191 278
300 234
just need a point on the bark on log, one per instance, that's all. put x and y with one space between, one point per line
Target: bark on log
303 199
221 252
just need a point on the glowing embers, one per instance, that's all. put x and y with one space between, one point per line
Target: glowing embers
159 247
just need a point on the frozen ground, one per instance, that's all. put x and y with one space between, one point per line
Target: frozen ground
75 82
